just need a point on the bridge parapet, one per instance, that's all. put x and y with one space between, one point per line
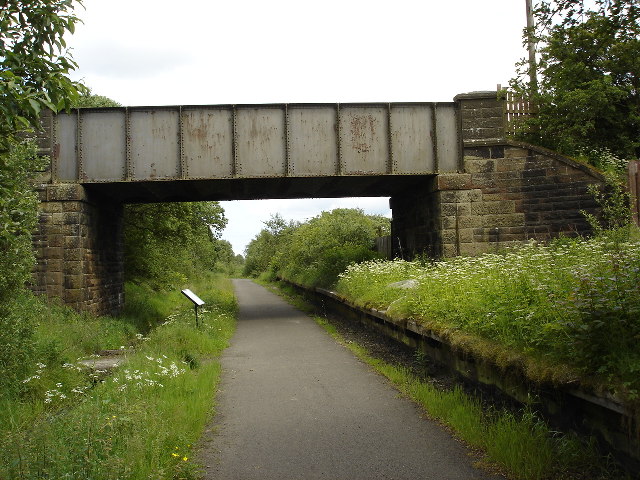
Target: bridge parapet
482 118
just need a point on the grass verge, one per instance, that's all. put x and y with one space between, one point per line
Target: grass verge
140 422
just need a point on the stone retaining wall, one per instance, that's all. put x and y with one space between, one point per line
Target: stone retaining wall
511 193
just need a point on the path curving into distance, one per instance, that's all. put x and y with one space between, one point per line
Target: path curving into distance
294 404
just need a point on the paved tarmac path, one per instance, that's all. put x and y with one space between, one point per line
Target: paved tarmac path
294 404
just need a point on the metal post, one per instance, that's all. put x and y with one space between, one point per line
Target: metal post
197 301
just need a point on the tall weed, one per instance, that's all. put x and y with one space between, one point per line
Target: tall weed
575 301
141 422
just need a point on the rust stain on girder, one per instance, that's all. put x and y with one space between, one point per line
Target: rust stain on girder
363 131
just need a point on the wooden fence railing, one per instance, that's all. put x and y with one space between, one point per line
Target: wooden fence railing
516 109
383 246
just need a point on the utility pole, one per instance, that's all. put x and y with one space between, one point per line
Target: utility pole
533 78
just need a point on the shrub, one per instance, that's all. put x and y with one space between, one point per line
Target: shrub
319 249
18 216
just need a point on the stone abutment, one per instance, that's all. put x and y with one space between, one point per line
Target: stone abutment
506 192
79 249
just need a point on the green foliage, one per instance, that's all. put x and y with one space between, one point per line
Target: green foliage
574 302
33 332
315 252
89 100
18 215
264 247
144 307
167 243
34 62
321 248
17 347
615 220
589 68
605 161
228 262
140 422
33 76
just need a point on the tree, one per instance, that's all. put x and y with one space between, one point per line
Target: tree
33 75
263 248
18 216
315 252
588 94
165 243
89 100
34 68
34 62
322 248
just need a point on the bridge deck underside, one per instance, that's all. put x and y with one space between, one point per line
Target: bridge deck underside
141 144
260 188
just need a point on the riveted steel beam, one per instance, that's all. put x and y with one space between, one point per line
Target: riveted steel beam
194 142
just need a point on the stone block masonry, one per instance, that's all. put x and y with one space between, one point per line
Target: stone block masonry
414 227
79 246
515 193
507 192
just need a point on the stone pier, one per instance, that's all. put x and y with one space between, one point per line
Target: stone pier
79 248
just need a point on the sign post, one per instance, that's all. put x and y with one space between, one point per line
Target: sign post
197 301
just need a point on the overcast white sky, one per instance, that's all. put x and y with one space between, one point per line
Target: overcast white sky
159 52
